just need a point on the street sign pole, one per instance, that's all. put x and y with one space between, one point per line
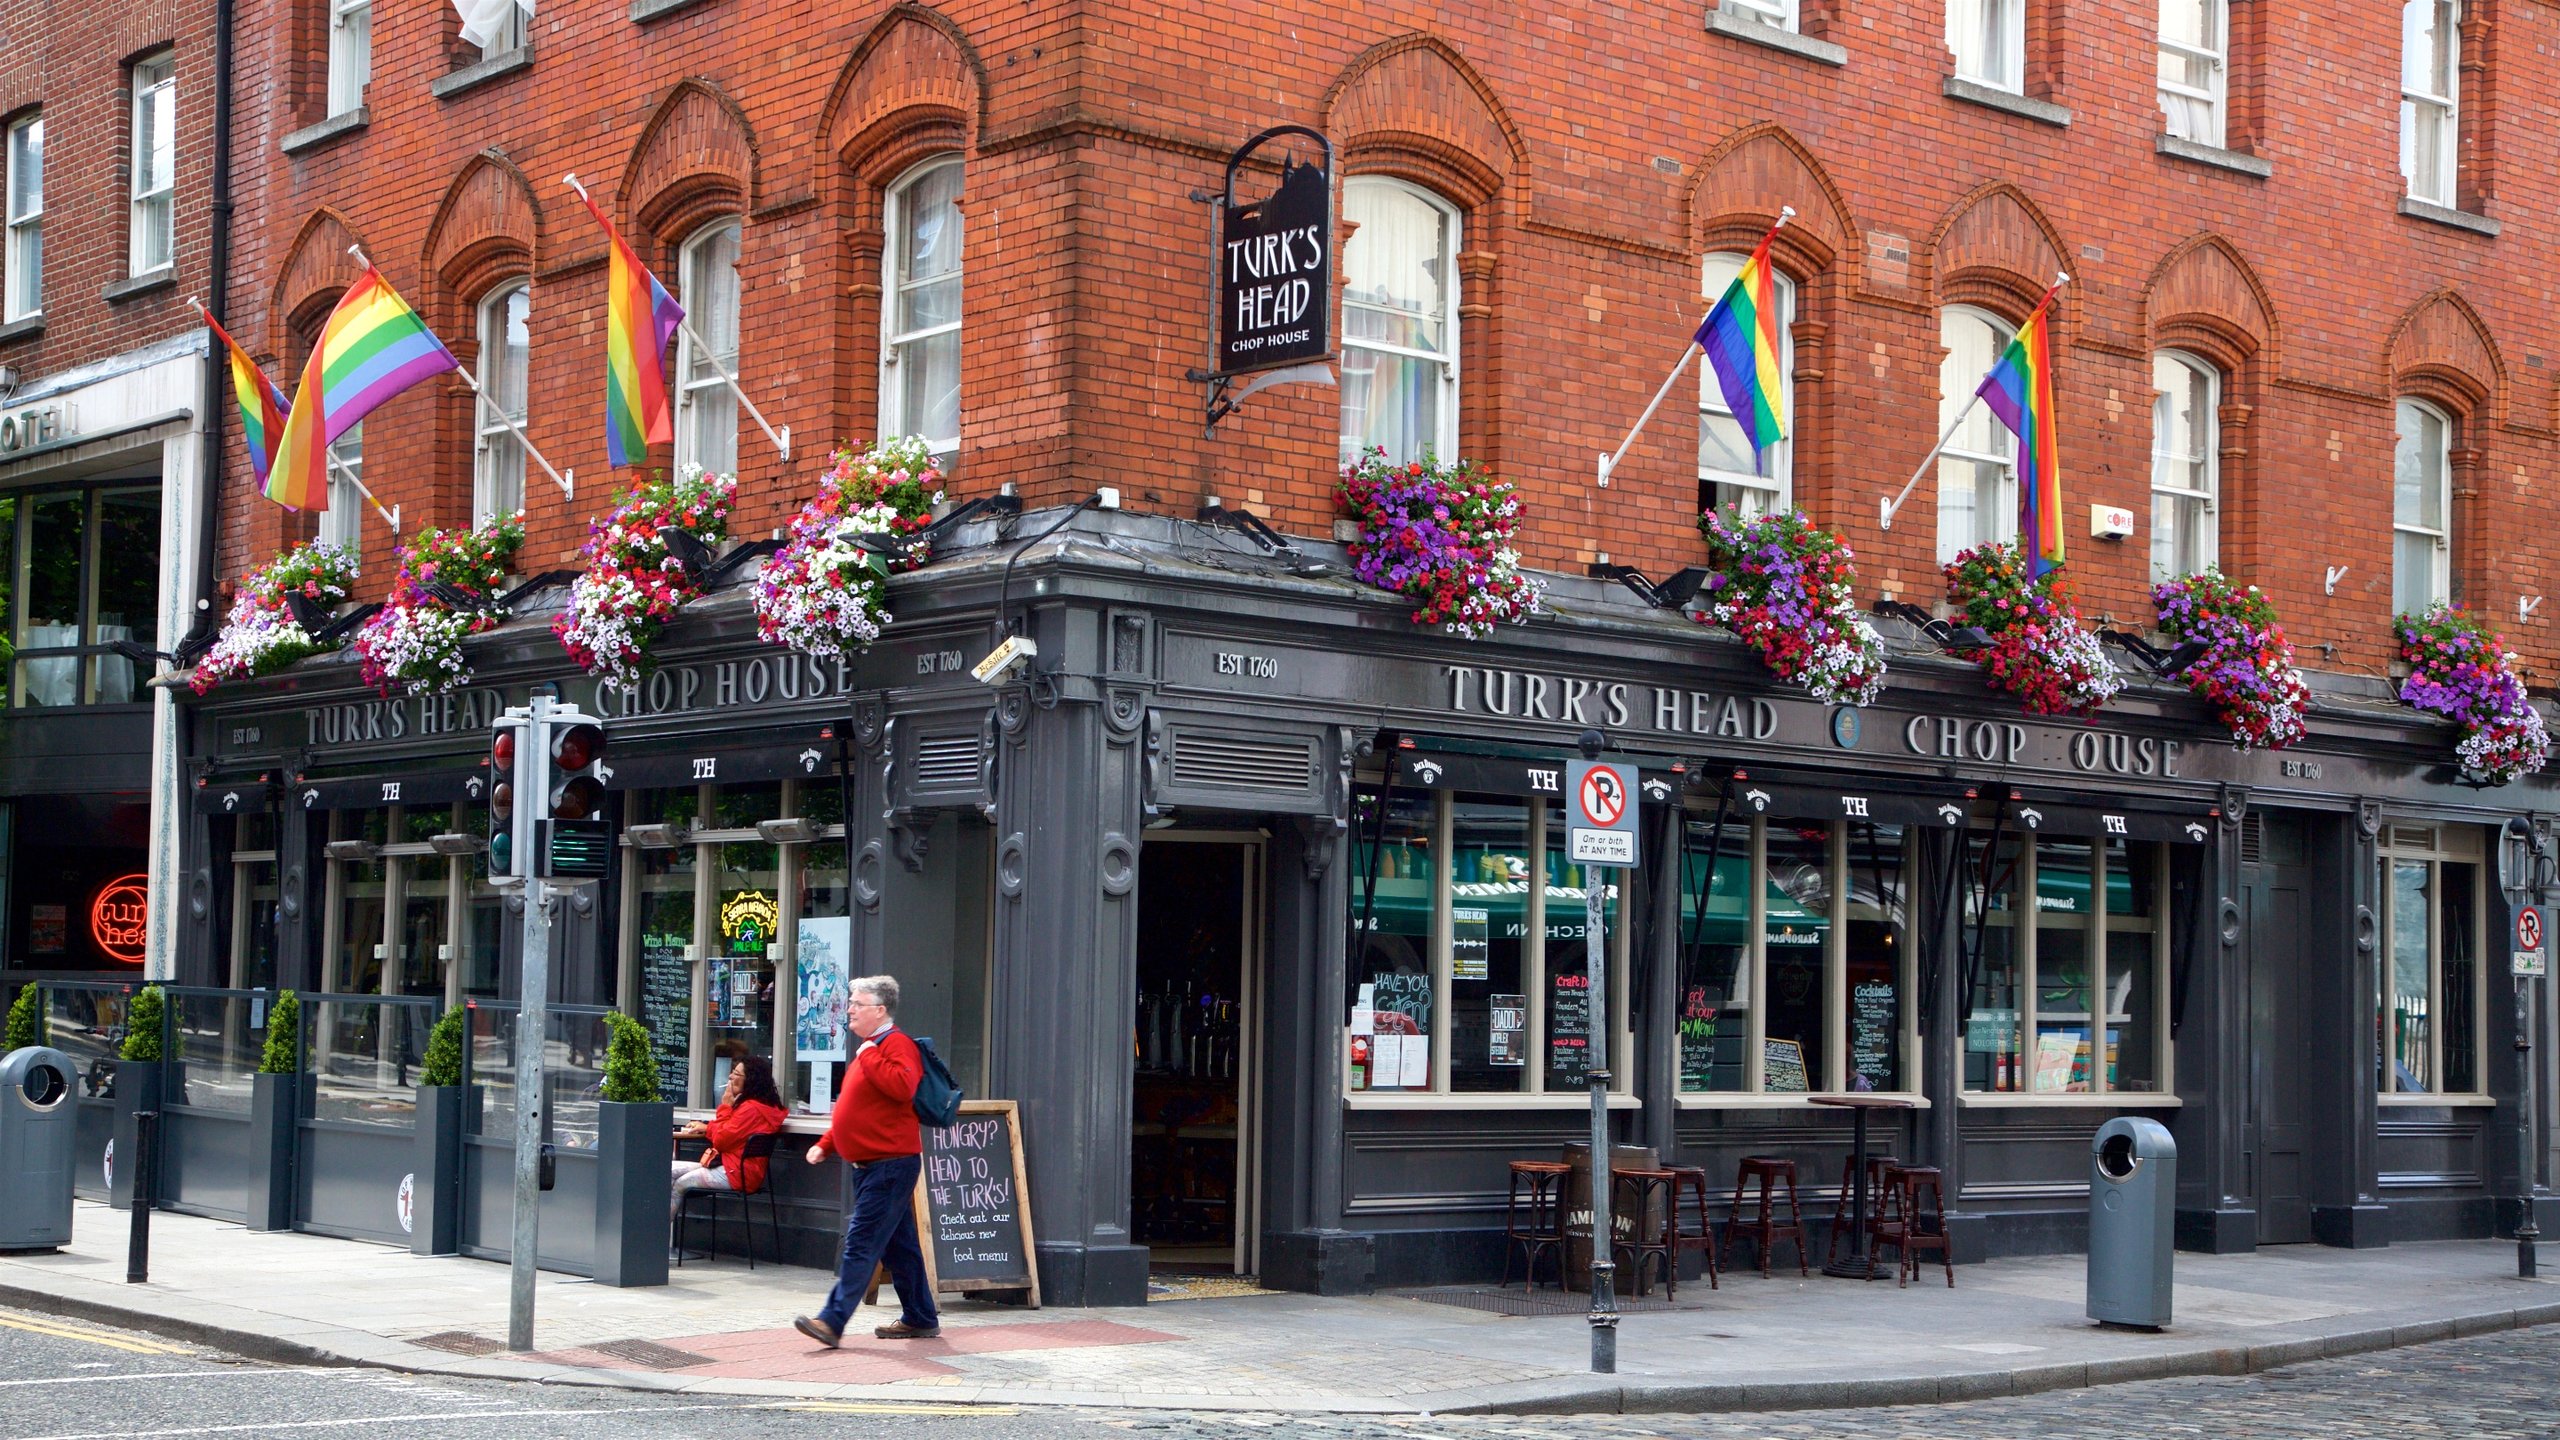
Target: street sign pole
2524 869
1600 836
532 784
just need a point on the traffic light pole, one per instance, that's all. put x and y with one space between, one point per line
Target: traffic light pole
532 784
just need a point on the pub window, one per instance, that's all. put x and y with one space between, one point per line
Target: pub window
1978 469
2066 951
2430 1000
252 963
1399 321
1730 471
920 341
1797 968
1778 14
82 571
401 918
2185 400
2430 103
506 343
350 53
1989 39
494 26
342 520
2421 508
2195 47
22 264
706 408
155 161
1469 972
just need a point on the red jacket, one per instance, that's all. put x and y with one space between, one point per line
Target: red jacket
875 1115
729 1132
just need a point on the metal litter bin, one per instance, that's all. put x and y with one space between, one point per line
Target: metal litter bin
39 1122
2133 1195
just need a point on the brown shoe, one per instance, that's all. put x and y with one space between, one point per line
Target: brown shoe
901 1330
817 1330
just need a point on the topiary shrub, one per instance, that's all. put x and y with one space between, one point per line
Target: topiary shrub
283 1055
143 1020
630 1065
443 1065
26 1018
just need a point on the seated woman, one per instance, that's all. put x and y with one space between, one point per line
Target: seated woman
749 1107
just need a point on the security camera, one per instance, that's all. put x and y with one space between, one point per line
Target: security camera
1007 661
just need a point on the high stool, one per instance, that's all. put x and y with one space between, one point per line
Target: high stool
1691 1181
1766 1229
1915 1220
1533 1220
1878 1167
1633 1192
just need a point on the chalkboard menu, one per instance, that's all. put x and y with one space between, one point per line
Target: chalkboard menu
973 1200
1697 1041
1408 995
1873 1019
1569 1031
1782 1067
666 1007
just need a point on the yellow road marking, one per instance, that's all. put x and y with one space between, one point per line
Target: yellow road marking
61 1331
891 1407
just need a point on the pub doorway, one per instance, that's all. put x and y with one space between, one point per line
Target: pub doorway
2279 894
1195 1064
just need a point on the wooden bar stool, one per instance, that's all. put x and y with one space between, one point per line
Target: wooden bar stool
1533 1219
1762 1174
1691 1181
1635 1192
1915 1219
1878 1167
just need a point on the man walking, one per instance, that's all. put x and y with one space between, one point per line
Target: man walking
874 1130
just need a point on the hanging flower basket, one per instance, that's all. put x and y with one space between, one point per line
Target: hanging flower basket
2461 669
260 635
1440 535
2247 669
824 595
634 581
2039 650
444 592
1787 589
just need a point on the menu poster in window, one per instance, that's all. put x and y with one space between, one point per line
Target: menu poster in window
1697 1040
1569 1031
1403 994
973 1203
1508 1042
1782 1067
1470 944
826 952
666 1007
1872 1015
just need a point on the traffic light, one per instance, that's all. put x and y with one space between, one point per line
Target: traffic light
577 843
504 743
577 771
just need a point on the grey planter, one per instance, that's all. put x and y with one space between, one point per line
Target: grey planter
435 1193
275 1108
138 1084
632 1146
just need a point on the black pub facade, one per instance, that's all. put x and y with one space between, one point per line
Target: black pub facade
1253 896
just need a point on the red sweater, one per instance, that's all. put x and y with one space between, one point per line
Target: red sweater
729 1131
875 1116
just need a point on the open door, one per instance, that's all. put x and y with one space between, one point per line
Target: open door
1192 1151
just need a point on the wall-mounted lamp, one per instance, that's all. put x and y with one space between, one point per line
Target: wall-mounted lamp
797 830
666 835
353 850
1952 638
2164 663
454 842
1672 593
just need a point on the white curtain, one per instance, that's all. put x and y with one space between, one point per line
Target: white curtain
484 20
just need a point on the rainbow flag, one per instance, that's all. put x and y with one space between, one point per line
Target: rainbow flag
262 405
372 348
1740 337
640 318
2020 391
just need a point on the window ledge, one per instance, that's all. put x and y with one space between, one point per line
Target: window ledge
472 77
2114 1100
32 325
164 278
2215 156
1425 1100
327 130
1761 32
1787 1100
2008 101
644 11
2434 1102
2458 219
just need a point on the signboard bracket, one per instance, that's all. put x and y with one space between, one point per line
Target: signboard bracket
1271 278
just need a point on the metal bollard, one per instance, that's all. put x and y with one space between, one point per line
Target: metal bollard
137 1254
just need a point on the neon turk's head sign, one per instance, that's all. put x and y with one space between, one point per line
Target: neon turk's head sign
119 918
1275 263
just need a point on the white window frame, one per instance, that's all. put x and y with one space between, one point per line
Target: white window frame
23 266
350 54
1998 60
1777 488
894 342
153 223
2435 847
510 32
2448 149
498 458
689 386
1777 14
1444 440
2167 468
342 521
2029 1017
2002 524
2216 53
2441 577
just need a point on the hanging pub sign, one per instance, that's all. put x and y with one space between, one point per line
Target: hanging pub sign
1275 263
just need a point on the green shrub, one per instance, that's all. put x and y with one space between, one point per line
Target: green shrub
26 1018
284 1023
443 1065
142 1023
630 1066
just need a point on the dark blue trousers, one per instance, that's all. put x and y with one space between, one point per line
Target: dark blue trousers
883 1227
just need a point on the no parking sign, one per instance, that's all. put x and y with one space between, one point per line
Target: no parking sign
2528 959
1600 813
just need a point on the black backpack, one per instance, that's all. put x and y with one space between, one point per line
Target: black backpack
938 1096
